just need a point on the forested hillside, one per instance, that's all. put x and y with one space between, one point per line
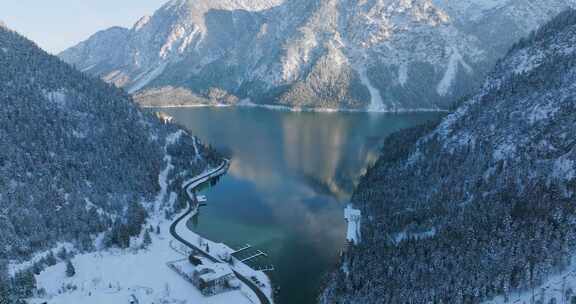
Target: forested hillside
77 157
483 203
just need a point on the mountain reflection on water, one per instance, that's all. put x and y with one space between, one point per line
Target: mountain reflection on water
290 177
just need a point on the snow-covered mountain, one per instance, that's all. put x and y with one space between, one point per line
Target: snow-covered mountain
381 55
479 206
76 152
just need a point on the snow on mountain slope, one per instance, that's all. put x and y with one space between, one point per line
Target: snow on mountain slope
495 182
67 144
412 54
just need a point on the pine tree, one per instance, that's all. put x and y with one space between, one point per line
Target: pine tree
5 295
136 217
63 254
24 284
147 239
51 259
70 270
37 268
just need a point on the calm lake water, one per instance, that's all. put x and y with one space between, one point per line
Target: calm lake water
290 178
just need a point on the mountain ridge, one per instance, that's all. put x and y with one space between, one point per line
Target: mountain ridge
337 54
68 142
483 197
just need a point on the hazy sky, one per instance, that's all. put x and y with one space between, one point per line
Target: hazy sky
58 24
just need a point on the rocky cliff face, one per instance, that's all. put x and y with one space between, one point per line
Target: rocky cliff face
482 204
379 55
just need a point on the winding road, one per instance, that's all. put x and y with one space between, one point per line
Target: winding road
190 188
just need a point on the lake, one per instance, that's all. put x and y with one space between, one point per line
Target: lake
290 178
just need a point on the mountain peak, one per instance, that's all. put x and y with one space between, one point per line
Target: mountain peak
289 52
205 5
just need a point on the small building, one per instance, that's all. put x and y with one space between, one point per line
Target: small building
164 118
353 218
212 278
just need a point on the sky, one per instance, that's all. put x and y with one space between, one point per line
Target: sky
58 24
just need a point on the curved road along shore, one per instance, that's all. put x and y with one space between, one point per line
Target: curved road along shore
189 187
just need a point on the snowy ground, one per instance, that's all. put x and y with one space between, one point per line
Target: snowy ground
120 276
114 276
220 251
554 288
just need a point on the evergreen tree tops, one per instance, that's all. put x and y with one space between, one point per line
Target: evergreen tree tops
76 154
70 270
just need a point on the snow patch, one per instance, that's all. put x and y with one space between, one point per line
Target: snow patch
402 236
79 134
146 78
542 112
504 151
198 155
142 22
163 176
376 101
524 62
451 72
56 97
403 74
564 169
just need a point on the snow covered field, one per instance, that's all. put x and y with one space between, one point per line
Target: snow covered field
137 275
114 276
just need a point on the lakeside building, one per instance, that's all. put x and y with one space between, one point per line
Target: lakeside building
353 218
164 117
212 278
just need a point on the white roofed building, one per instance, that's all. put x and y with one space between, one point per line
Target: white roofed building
213 278
354 219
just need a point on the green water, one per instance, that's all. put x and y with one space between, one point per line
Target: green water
290 178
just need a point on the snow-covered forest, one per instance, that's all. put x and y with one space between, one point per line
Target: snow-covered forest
480 204
79 162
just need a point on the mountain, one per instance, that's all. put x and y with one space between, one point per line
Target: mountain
379 55
77 154
482 203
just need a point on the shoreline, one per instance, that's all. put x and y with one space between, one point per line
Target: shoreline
295 110
240 269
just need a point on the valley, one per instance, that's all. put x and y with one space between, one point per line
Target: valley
290 151
288 184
